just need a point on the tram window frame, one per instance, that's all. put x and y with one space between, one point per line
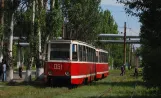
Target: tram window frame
100 57
93 55
88 54
80 52
84 53
104 57
97 56
74 52
91 52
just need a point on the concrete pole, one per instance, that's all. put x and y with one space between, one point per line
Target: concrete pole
18 56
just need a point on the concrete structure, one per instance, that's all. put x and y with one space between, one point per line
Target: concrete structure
121 41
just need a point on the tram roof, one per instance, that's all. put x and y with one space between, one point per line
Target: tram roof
77 42
101 50
72 41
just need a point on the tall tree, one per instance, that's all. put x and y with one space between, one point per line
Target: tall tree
108 25
30 60
10 7
81 19
149 14
1 28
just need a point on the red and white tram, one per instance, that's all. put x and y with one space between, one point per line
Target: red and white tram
74 62
102 69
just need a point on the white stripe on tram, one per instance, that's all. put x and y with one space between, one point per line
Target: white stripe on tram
85 76
102 72
82 76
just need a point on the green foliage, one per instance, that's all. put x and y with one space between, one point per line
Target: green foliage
82 19
54 23
118 54
107 25
23 23
149 13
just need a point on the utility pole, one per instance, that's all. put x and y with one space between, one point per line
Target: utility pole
124 43
129 62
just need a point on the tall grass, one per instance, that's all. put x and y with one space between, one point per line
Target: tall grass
114 86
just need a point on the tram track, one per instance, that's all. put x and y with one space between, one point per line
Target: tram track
109 90
118 79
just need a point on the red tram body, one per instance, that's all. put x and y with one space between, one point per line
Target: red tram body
102 69
74 62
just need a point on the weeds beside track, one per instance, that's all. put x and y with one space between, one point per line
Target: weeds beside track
114 86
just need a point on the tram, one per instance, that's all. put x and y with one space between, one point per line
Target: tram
102 68
74 62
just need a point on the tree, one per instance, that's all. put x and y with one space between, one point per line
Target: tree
107 25
10 8
1 28
81 19
149 13
48 25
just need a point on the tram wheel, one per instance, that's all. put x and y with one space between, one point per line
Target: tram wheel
85 81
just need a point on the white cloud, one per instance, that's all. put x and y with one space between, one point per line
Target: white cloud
110 2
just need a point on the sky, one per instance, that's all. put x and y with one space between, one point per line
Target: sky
119 15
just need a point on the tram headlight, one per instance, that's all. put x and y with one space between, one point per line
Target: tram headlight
67 73
50 73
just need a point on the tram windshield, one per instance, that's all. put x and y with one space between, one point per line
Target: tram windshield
60 51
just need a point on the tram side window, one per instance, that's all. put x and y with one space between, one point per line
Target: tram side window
74 52
80 53
93 55
104 57
96 58
100 57
88 54
104 54
84 53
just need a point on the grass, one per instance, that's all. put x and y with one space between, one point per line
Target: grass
114 86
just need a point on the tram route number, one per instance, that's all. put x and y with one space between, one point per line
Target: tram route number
58 66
